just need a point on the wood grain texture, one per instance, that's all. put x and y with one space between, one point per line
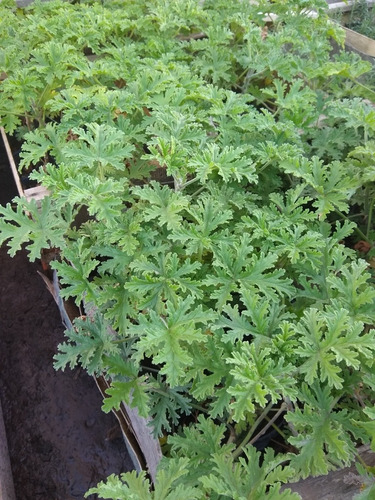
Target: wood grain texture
6 479
341 484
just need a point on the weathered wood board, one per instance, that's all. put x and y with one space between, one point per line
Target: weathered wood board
341 484
6 479
361 43
144 449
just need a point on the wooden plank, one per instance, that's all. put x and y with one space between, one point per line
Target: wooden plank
12 163
143 447
340 484
6 479
36 193
361 43
346 6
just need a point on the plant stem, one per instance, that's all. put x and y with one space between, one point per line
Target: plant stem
120 341
363 86
264 166
198 191
183 186
277 428
237 452
361 461
356 229
270 422
369 219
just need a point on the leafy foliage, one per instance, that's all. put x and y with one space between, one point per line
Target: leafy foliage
205 167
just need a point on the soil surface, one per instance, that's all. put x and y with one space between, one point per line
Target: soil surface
60 442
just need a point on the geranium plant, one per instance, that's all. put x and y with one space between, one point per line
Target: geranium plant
225 160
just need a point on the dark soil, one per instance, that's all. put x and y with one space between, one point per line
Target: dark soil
60 442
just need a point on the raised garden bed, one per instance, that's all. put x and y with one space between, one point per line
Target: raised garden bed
232 300
358 19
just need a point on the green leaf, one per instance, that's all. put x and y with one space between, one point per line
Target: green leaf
133 486
209 375
238 267
247 478
88 342
164 279
104 199
331 185
53 59
261 319
134 392
75 274
167 337
166 405
328 338
117 302
42 142
38 226
367 494
322 438
356 112
369 426
100 149
162 204
205 228
257 379
229 163
352 290
199 443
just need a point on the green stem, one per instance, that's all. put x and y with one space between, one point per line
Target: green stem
150 369
198 191
356 229
28 123
366 200
237 452
183 186
192 405
270 423
369 220
264 166
323 272
363 86
361 461
277 428
119 341
282 261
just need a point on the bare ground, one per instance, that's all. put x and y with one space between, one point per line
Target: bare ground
60 442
